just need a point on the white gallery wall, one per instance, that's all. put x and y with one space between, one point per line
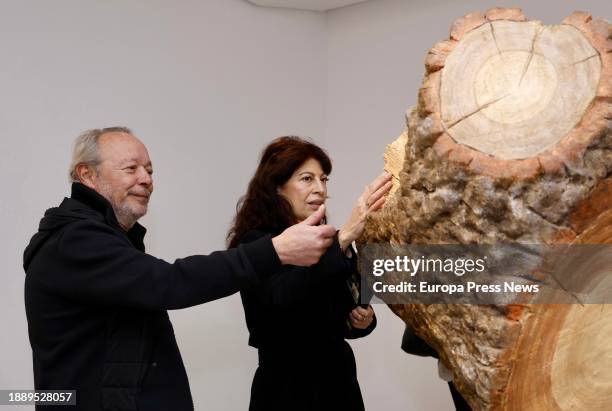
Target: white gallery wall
206 84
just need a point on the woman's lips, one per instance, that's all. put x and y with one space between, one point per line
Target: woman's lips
315 204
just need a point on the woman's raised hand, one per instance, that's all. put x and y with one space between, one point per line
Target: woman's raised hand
372 199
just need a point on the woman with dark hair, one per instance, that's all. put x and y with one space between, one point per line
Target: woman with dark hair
299 322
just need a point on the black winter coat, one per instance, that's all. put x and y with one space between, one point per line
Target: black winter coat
298 320
96 306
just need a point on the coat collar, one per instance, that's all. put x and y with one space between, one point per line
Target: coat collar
94 200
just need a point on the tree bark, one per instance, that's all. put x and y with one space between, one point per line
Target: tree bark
511 142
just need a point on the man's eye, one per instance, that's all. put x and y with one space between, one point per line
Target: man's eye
130 168
150 172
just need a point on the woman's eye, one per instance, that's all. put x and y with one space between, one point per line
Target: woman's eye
307 178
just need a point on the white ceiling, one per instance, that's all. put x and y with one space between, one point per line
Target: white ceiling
316 5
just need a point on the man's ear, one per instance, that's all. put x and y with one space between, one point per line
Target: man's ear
86 175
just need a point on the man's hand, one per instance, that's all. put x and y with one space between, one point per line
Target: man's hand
303 244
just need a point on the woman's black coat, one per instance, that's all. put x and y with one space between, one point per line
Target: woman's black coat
298 321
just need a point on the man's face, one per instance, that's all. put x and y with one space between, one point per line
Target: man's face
124 176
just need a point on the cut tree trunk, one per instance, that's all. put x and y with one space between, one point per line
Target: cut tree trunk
511 142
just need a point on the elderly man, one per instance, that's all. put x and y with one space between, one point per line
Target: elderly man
96 302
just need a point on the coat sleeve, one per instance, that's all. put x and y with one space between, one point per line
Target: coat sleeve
291 286
353 333
98 265
413 344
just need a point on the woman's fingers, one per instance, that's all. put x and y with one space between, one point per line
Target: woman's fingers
377 189
361 314
361 317
379 194
382 179
372 199
378 182
355 323
377 205
360 311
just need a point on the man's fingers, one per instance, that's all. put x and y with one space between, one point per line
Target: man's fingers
315 218
327 231
324 238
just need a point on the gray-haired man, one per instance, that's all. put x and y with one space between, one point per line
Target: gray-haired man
96 302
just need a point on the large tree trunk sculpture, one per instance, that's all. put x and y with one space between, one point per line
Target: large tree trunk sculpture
511 142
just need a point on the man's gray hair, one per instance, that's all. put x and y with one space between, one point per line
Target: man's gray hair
86 149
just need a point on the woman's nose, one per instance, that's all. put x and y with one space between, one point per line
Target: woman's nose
320 186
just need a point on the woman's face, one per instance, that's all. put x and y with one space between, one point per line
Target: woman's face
306 189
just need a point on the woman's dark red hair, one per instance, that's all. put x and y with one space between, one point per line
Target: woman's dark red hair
262 207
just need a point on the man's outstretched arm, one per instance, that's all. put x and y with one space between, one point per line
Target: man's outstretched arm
97 265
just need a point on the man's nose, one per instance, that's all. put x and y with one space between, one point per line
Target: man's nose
144 177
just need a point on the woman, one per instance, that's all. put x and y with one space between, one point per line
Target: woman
299 317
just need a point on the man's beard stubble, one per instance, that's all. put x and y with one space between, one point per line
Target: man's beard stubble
125 215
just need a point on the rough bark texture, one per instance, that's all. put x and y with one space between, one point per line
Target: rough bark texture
522 357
